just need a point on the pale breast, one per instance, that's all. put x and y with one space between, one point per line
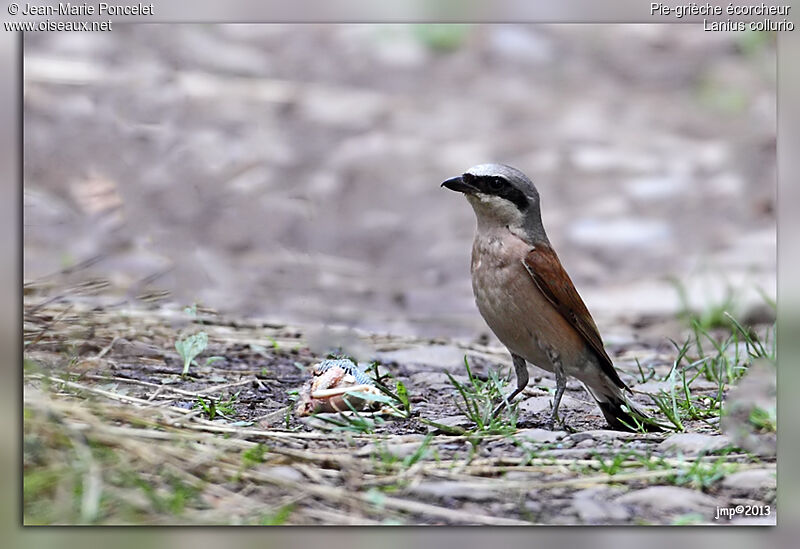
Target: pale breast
514 308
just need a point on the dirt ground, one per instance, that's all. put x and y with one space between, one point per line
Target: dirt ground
115 435
284 180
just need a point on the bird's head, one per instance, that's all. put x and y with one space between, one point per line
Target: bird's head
501 196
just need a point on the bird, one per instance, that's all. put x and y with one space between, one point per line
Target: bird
529 301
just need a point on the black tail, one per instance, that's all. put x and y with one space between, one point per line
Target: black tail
621 414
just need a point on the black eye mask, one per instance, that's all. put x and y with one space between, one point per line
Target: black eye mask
499 186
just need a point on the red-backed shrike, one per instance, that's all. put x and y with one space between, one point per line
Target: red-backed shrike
527 298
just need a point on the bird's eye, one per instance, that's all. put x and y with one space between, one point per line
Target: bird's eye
496 183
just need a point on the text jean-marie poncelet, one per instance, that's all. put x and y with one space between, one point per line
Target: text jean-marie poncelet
84 8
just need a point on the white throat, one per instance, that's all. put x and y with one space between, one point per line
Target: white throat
495 213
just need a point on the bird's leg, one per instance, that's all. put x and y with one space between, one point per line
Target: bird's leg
561 384
521 370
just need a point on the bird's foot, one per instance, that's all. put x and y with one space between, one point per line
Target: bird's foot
500 407
506 403
550 424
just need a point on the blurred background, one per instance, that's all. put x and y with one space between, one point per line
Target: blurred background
291 172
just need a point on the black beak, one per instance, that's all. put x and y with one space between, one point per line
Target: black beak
459 185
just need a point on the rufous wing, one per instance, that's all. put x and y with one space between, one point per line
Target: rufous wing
543 265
